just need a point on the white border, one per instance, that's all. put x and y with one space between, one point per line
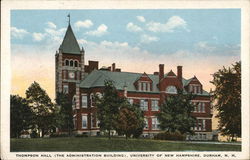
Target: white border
124 4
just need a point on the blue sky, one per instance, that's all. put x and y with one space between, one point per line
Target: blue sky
215 27
201 40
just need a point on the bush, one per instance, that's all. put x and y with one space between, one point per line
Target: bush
84 134
34 134
170 136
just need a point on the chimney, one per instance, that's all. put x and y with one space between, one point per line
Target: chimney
179 72
156 73
109 68
161 71
113 67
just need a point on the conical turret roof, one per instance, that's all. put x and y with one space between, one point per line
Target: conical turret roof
70 44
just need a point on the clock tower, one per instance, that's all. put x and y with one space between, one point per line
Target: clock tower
69 61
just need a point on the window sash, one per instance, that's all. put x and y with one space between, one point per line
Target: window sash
84 121
146 123
144 105
65 88
155 106
84 101
155 123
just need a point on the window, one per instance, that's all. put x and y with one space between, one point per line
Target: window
195 88
146 123
144 104
71 63
131 101
76 64
66 62
155 106
171 90
199 107
203 124
65 88
139 86
195 106
155 123
149 87
144 86
74 102
203 107
84 101
84 121
92 100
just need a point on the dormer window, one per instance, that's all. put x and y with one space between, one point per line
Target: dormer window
171 90
195 88
144 86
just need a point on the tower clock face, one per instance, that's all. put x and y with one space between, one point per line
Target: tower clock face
71 75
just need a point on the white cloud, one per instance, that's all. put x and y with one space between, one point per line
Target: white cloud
85 24
173 23
141 18
82 41
100 31
114 44
51 25
133 28
147 39
55 35
202 45
18 33
38 36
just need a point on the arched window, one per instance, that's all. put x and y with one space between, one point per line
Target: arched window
71 63
171 90
76 64
66 62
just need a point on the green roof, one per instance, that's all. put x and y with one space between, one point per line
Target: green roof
97 77
70 44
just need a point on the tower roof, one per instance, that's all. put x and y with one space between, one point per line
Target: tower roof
70 44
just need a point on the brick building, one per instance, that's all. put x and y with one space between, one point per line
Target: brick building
82 81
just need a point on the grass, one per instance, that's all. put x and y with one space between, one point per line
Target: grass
116 144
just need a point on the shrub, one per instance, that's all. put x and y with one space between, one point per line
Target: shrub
84 134
170 136
34 134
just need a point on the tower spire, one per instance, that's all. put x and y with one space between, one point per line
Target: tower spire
69 18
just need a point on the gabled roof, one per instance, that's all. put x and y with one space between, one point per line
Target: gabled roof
70 44
141 75
97 77
170 73
185 82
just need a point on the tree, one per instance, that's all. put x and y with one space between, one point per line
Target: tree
227 99
175 115
41 106
64 115
130 120
20 115
108 107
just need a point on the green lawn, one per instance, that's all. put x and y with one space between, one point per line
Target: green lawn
115 144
